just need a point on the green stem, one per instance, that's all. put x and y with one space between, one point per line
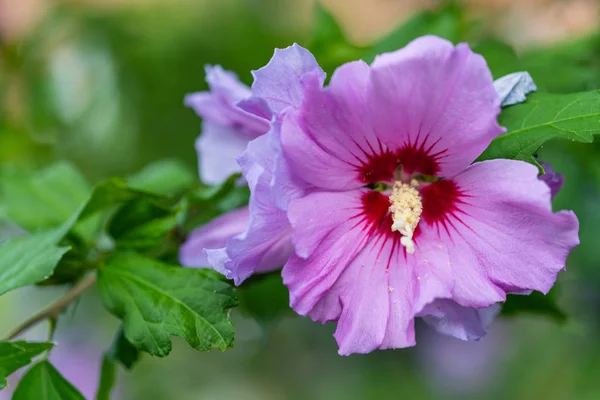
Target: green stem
53 311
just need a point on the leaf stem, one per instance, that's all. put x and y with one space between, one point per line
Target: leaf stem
53 311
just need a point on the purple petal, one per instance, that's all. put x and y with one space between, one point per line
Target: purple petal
503 215
227 128
226 83
553 179
213 235
436 97
219 105
340 272
331 130
266 244
279 82
256 106
452 319
285 186
217 148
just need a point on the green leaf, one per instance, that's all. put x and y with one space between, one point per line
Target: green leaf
156 300
44 199
26 260
141 224
44 382
109 193
448 22
265 298
544 117
122 352
15 355
162 177
209 202
108 376
536 303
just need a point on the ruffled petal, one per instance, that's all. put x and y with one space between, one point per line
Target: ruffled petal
217 148
226 83
332 130
266 244
321 244
285 185
279 82
500 234
213 235
350 268
452 319
377 309
219 105
436 102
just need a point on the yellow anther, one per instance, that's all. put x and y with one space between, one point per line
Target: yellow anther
406 208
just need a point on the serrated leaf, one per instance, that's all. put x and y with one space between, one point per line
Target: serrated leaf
29 259
44 382
162 177
26 260
544 117
15 355
157 300
44 199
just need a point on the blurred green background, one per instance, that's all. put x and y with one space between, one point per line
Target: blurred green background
101 84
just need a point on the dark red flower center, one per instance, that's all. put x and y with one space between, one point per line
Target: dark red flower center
441 201
379 164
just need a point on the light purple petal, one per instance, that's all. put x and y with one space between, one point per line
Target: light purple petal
343 270
285 186
213 235
219 105
218 147
503 215
226 83
227 128
279 82
513 88
256 106
332 130
377 313
464 323
436 97
266 244
321 246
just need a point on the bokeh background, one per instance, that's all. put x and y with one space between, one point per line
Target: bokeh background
100 83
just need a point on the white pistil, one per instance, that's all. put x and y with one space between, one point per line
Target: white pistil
406 208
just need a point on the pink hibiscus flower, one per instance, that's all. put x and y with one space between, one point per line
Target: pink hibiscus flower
398 223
